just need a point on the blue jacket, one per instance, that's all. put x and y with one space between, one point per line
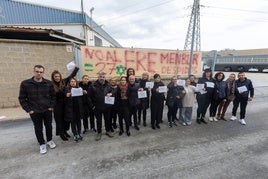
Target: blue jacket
248 84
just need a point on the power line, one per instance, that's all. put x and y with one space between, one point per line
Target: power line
235 9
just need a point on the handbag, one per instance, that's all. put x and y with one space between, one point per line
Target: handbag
231 97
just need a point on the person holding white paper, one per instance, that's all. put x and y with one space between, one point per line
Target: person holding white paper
59 84
157 103
144 104
242 96
74 109
204 97
100 89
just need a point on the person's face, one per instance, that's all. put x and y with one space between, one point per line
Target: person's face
131 80
174 80
38 73
241 76
72 83
56 77
101 78
192 79
208 74
187 82
85 80
231 77
158 79
145 77
123 81
220 76
130 72
112 82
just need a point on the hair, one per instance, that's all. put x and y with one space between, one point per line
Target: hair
192 76
123 77
129 70
233 74
240 72
156 75
39 66
56 86
217 74
84 76
113 78
77 85
204 74
175 76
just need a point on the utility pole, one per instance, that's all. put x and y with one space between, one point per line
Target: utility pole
84 22
192 41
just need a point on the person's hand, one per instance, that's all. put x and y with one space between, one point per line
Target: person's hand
224 100
84 91
31 112
157 89
140 89
178 97
183 91
109 94
50 109
250 99
68 95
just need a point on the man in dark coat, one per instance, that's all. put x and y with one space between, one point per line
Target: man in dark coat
37 97
100 90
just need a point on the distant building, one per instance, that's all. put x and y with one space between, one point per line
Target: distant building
73 23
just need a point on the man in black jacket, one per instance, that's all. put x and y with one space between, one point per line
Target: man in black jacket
37 97
244 92
100 90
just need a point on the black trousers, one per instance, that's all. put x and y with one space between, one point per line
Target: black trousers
133 112
76 123
61 124
156 113
172 113
143 112
213 107
243 104
124 114
106 114
203 102
113 115
38 120
88 113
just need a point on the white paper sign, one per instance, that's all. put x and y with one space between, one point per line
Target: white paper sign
109 100
149 84
142 94
200 86
242 89
181 82
210 85
77 92
162 89
70 65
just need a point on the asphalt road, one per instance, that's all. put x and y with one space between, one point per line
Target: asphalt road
217 150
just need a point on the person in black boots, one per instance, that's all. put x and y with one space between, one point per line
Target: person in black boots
59 84
204 96
123 105
100 90
175 95
133 99
114 108
144 102
157 102
85 84
74 108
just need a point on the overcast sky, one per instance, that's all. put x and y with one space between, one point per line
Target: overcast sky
163 24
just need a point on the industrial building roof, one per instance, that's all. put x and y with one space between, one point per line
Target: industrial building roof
19 13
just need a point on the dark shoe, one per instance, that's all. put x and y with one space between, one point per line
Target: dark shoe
169 124
112 130
121 132
144 124
63 137
66 134
161 121
139 122
223 118
114 126
85 131
198 120
76 138
93 129
174 123
153 127
157 126
128 133
80 137
130 124
176 119
98 137
203 120
137 128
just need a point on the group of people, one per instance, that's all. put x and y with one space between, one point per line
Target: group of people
125 102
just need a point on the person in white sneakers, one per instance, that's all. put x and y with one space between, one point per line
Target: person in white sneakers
37 97
244 92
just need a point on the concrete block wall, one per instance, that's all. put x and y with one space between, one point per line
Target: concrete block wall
17 59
